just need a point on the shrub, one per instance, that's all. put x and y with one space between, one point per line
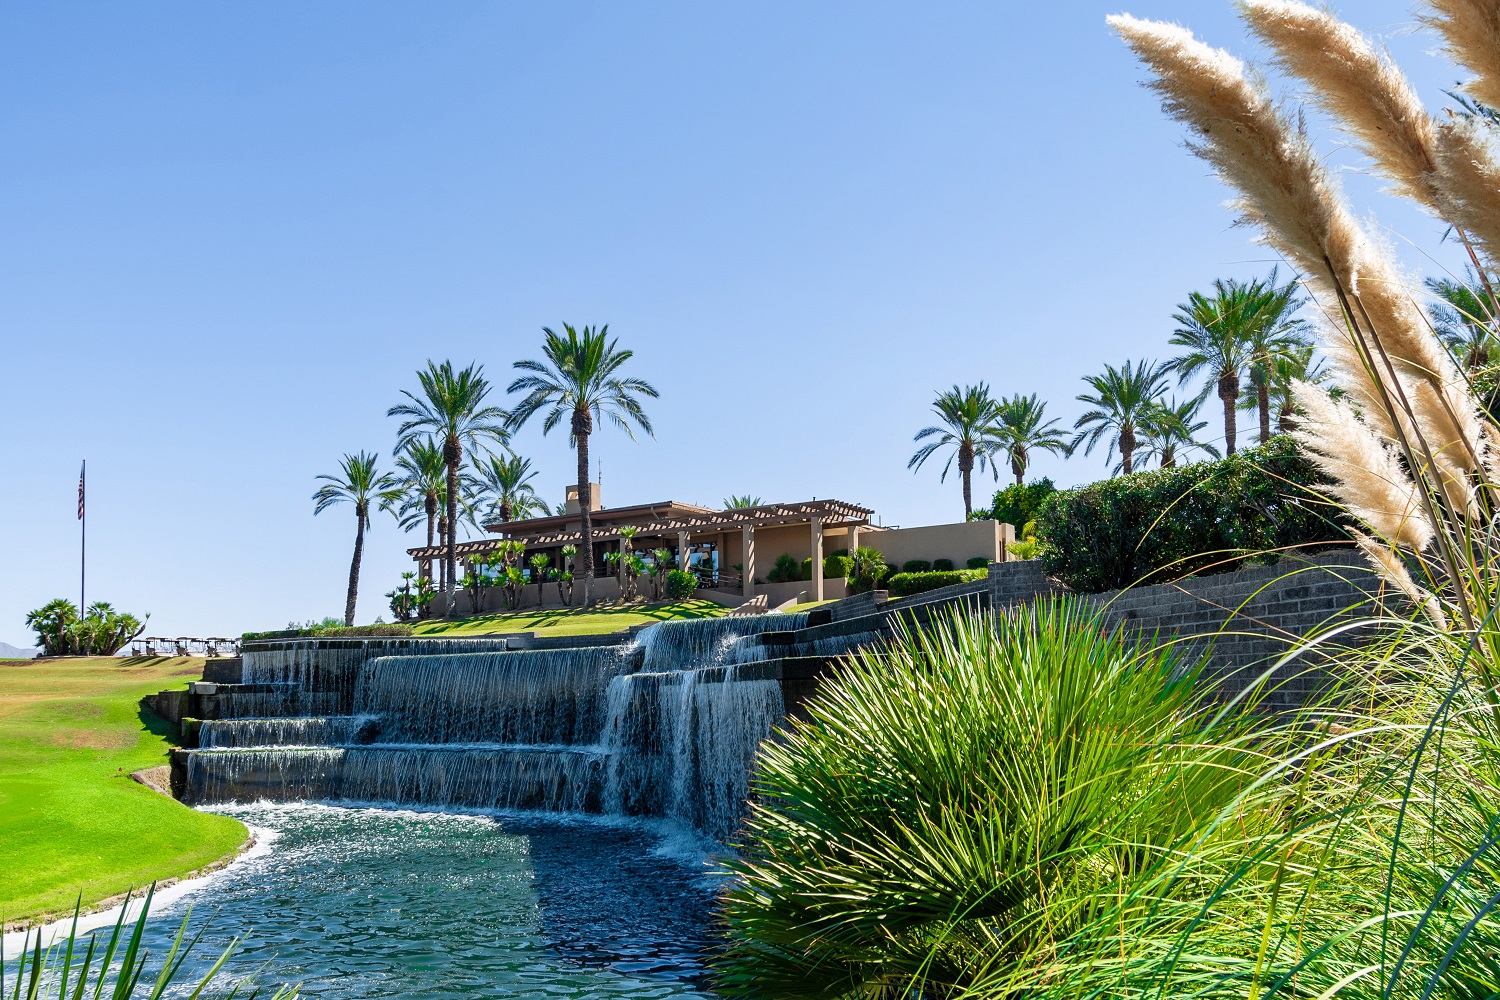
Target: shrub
806 569
979 562
1202 518
906 584
1016 505
953 805
867 569
942 565
681 584
786 570
916 566
837 566
338 631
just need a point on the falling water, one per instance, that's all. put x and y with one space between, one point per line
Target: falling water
667 726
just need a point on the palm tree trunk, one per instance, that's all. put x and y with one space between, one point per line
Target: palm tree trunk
453 453
968 497
431 506
1127 449
1229 393
1263 402
359 551
586 534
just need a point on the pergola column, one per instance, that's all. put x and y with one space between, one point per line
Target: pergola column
817 558
682 550
747 538
853 539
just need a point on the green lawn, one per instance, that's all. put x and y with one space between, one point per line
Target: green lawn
71 819
552 621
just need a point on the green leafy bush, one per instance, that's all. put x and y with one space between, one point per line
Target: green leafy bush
978 562
806 569
336 631
906 584
943 565
837 566
867 570
916 566
786 570
1017 505
955 804
681 584
1203 518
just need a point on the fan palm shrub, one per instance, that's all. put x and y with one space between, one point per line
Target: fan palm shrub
450 408
362 485
100 631
970 419
956 805
580 381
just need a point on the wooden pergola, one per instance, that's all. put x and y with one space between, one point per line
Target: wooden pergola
543 533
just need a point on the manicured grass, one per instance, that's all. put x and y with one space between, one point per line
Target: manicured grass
71 818
554 621
806 606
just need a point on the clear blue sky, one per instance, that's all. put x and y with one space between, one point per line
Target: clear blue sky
229 234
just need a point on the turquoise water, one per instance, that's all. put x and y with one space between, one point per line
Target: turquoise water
360 903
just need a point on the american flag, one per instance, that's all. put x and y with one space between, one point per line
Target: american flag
81 469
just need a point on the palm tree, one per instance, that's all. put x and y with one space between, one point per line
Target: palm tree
969 425
423 482
506 481
361 485
1275 332
735 502
1218 332
1023 430
1123 399
579 380
1465 319
1169 432
451 408
1295 365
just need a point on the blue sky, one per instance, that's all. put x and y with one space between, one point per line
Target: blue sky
229 234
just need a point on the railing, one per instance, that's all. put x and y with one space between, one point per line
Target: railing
184 646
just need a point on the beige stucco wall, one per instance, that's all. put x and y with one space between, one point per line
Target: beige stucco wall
957 542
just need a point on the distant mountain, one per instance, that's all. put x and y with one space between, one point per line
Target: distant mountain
9 652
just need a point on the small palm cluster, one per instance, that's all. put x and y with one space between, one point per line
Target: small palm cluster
99 631
449 419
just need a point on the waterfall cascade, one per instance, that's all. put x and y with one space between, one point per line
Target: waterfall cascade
664 725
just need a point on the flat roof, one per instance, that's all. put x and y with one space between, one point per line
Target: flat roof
695 521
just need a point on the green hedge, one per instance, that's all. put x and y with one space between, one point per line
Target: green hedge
837 566
681 584
331 632
1017 505
1178 522
907 584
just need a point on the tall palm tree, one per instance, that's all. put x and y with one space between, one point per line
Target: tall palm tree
506 483
362 485
1467 320
970 416
1274 333
580 380
1169 432
1218 332
424 480
451 408
1122 400
1298 364
1022 429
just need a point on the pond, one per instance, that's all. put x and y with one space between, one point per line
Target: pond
361 903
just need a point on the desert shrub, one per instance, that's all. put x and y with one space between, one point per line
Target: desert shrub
1201 518
942 565
837 566
916 566
681 584
906 584
978 562
954 805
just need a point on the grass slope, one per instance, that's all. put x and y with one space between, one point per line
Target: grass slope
566 621
71 819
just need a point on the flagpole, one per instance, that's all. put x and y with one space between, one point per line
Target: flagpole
83 538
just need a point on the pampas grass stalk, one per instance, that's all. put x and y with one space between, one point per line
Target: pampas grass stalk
1471 29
